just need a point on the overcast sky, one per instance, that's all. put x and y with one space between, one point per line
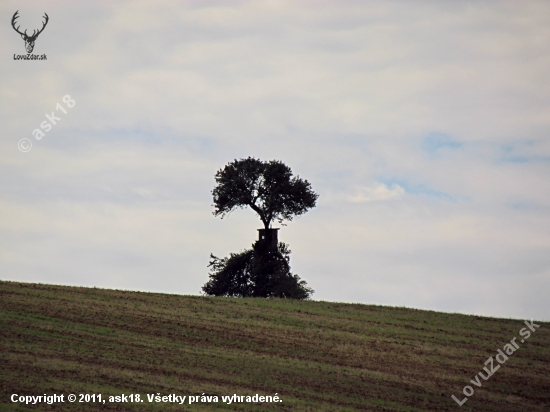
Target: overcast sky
423 126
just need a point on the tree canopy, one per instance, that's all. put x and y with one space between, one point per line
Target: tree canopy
267 187
254 273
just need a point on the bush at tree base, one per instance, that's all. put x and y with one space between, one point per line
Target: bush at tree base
256 272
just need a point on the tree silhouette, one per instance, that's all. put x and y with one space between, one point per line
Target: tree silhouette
253 274
268 188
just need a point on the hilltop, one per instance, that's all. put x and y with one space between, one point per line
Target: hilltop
315 356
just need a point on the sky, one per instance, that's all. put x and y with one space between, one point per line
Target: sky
423 126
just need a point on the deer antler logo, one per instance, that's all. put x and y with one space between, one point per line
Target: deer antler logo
29 40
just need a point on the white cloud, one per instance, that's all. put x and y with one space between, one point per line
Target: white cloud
118 193
377 191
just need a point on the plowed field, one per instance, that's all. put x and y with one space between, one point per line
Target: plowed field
317 356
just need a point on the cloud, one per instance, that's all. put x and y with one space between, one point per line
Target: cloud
423 126
377 192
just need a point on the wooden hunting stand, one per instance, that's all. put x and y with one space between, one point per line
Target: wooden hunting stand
268 239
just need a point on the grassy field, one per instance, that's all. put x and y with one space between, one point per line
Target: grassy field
317 356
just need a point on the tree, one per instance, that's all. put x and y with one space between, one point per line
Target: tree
230 276
268 188
252 273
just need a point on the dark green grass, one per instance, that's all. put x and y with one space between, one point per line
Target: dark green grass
317 356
